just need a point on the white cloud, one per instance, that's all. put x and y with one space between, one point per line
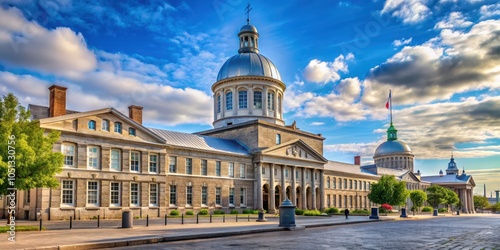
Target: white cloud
491 10
323 72
410 11
316 123
25 44
453 21
402 42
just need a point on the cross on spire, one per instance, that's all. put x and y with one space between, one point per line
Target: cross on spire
248 9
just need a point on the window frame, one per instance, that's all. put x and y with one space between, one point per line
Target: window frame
218 196
230 169
138 165
204 196
243 197
94 191
218 168
105 125
72 194
115 194
118 127
203 167
270 101
111 160
94 157
243 171
65 151
172 166
153 195
155 162
257 99
91 125
189 196
172 195
231 197
229 100
189 167
132 131
242 99
137 196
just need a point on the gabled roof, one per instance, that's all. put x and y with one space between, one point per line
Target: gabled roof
348 168
448 179
201 142
99 112
40 112
297 142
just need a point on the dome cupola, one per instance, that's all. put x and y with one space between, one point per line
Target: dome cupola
452 167
393 153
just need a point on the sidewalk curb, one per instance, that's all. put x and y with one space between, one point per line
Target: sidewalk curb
170 238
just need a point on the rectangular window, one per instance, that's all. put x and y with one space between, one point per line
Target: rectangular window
189 195
217 168
172 165
355 184
68 192
27 197
307 175
153 163
270 100
278 139
134 194
204 198
296 174
105 125
204 167
115 159
217 196
93 157
345 183
118 127
173 195
315 176
189 166
257 100
135 159
231 169
93 193
243 197
69 155
242 170
153 194
263 170
242 99
350 184
328 201
286 172
131 131
115 194
364 185
231 196
229 100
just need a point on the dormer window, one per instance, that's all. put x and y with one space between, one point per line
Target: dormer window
105 125
92 125
131 131
118 127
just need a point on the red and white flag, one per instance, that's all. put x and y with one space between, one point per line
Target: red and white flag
388 103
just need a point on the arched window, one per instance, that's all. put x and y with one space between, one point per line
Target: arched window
218 103
340 183
257 99
334 183
92 124
242 99
270 100
328 182
105 125
229 100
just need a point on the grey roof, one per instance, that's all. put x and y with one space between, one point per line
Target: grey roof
390 171
195 141
348 168
392 147
40 112
451 178
248 64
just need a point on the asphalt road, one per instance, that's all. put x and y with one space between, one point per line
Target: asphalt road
447 232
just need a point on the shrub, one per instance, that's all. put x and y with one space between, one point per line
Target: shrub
299 211
385 208
256 211
312 213
234 212
203 212
332 210
427 209
219 212
247 211
190 212
442 210
360 212
174 213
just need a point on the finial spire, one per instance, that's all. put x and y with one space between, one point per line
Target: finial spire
248 9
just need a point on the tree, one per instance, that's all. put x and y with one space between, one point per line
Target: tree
480 202
26 151
418 197
388 190
451 198
436 195
495 207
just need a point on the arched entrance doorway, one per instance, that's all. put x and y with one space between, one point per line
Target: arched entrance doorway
289 193
298 202
265 197
309 204
277 197
318 199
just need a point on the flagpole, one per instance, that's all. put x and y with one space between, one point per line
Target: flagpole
390 103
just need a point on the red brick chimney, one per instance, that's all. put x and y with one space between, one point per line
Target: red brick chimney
135 113
357 160
57 100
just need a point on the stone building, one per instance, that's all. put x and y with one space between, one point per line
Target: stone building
249 160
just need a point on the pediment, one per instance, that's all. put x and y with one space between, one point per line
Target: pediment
296 149
78 123
409 177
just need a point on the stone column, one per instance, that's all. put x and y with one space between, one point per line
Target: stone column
276 103
313 181
283 184
304 193
258 186
271 190
215 106
322 190
472 199
294 187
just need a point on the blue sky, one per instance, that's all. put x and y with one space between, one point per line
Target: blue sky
338 60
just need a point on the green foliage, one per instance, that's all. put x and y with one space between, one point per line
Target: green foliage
4 229
203 212
417 197
451 197
480 202
174 213
427 209
442 210
436 195
189 212
219 212
247 211
299 211
360 212
388 190
30 149
495 207
312 213
234 212
332 210
255 211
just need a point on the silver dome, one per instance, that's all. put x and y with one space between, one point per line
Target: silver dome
248 28
248 64
392 147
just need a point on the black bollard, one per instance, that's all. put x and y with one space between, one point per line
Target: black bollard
248 217
210 218
98 220
147 220
182 219
224 218
236 218
165 219
40 224
70 222
196 218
